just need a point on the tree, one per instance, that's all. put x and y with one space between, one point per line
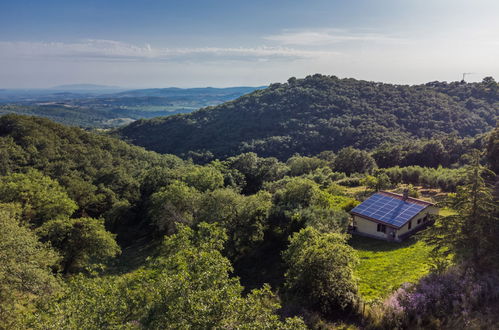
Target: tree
471 234
257 170
297 199
350 160
388 155
295 193
25 267
320 271
221 205
324 220
154 179
324 176
433 154
377 182
493 150
248 228
232 177
41 197
82 242
243 217
204 178
119 180
299 165
173 204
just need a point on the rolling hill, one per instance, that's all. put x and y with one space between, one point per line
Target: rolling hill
94 106
320 113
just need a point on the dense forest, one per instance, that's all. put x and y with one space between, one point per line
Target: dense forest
97 233
318 113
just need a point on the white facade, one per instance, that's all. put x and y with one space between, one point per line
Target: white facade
378 229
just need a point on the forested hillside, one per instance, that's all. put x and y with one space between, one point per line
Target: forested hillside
97 233
99 173
320 113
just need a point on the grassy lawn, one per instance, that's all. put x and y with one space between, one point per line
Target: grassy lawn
352 191
445 212
384 266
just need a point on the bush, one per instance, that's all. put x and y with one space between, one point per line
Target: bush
350 182
444 178
437 299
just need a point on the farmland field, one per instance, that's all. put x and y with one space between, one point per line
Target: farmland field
384 266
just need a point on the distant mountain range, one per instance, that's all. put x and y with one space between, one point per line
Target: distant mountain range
179 92
81 87
99 106
320 113
63 92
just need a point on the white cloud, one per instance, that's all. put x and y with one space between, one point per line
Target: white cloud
324 37
110 50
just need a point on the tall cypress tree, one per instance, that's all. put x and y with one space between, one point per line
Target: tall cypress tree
470 235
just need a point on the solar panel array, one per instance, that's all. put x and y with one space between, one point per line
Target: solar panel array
388 209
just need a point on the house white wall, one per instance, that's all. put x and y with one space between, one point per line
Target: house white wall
369 227
431 210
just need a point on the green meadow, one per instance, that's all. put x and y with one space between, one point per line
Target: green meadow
384 266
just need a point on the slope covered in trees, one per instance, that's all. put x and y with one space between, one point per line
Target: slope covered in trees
319 113
100 234
98 172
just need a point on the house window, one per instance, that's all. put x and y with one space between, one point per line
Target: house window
419 221
381 228
410 224
425 218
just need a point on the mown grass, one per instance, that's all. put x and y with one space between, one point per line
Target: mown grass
352 191
384 266
445 212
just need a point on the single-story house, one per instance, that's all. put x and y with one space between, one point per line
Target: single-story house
391 216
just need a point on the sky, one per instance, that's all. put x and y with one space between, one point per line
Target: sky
220 43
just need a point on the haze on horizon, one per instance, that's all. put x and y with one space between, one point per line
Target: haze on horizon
154 43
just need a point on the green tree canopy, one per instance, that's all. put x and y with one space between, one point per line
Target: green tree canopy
203 178
320 271
350 160
256 170
188 286
175 203
41 197
317 113
25 267
299 165
377 182
82 242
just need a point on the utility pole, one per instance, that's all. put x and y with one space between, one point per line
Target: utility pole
464 76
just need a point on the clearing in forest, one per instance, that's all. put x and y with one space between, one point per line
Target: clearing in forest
384 266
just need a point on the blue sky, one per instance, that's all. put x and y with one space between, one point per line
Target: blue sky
160 43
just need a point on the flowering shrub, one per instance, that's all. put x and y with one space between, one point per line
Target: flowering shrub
437 298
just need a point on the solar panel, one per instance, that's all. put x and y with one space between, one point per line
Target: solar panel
388 209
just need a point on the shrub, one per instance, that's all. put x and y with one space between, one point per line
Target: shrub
437 298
